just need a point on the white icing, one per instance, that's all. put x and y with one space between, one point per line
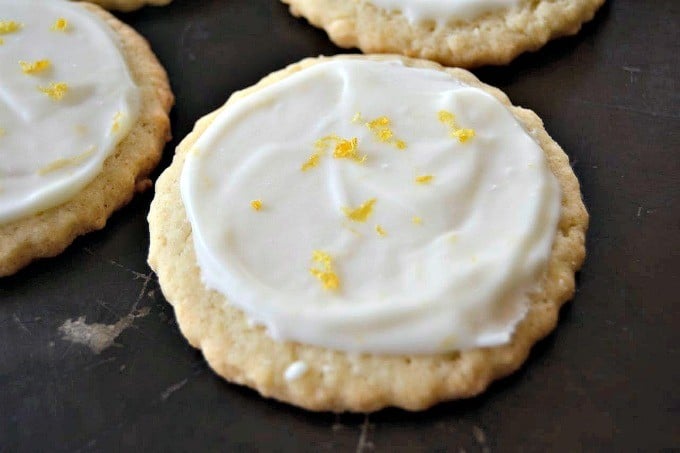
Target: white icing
295 371
443 10
459 280
51 149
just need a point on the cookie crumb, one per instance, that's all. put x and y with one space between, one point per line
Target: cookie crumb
295 371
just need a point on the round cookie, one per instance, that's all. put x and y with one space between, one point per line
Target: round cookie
322 378
52 226
128 5
476 36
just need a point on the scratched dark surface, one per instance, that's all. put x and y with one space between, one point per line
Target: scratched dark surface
606 380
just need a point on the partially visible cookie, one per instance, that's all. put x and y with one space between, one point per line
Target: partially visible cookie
127 5
83 122
359 232
454 33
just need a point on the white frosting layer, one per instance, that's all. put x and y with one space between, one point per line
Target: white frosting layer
443 10
50 149
457 280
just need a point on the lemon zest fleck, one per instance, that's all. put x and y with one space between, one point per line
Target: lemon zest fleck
256 205
382 130
446 117
348 149
9 26
424 179
344 148
2 132
381 231
455 131
362 213
67 162
312 162
324 270
28 67
2 41
115 127
417 220
60 24
463 135
56 90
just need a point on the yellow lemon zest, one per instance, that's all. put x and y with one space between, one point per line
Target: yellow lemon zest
9 26
463 135
56 90
60 24
424 179
362 213
446 117
2 41
2 132
67 162
381 231
417 220
455 131
348 149
312 162
28 67
115 127
324 270
344 148
382 130
256 205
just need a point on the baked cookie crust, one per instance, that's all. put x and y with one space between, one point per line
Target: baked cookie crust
125 171
495 38
338 381
128 5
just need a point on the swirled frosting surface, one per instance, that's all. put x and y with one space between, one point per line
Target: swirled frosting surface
372 207
66 100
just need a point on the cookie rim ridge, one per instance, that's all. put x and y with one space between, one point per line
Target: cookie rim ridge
503 37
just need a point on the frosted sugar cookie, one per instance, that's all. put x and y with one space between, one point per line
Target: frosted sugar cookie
359 232
465 33
128 5
83 120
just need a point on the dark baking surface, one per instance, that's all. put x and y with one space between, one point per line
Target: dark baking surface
607 379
